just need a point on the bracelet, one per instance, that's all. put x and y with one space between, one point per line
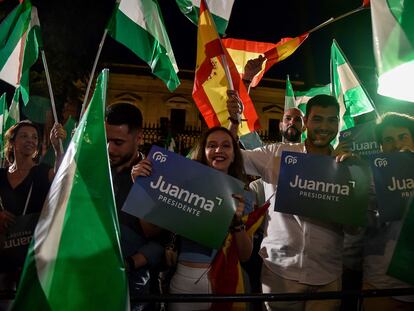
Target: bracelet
233 121
129 263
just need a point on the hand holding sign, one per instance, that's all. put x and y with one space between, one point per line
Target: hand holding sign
143 168
338 193
174 196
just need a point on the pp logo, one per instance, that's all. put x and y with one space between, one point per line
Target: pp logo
159 157
291 160
346 134
380 162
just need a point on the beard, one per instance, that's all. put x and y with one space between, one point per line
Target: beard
292 134
118 161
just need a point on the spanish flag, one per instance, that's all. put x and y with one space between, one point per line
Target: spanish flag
226 274
211 83
241 51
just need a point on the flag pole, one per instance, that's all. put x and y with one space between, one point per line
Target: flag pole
88 88
335 19
52 98
359 81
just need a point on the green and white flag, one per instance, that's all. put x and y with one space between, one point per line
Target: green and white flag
74 261
138 25
289 95
12 116
220 11
3 111
352 98
302 98
19 46
393 34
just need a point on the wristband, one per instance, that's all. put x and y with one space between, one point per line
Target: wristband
233 121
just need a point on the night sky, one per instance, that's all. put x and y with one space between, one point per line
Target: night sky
72 29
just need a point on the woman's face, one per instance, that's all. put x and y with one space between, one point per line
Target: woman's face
26 141
219 151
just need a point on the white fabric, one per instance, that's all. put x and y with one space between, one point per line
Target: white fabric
188 280
294 247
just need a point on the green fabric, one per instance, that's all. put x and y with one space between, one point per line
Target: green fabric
155 51
401 266
75 261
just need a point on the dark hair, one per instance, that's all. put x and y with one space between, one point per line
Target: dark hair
393 119
124 113
323 101
10 138
236 168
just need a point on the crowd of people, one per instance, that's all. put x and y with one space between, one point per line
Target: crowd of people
294 254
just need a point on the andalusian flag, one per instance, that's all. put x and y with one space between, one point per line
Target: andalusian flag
401 265
393 33
211 84
302 98
3 111
345 83
74 261
219 9
241 51
13 115
19 46
138 25
289 95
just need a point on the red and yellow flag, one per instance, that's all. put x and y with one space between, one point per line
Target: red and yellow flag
226 274
241 51
211 84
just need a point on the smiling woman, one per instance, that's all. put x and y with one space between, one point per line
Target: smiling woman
24 185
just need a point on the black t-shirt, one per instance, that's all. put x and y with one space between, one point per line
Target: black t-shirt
14 200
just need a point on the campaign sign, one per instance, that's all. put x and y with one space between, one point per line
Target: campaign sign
394 183
361 139
185 197
317 187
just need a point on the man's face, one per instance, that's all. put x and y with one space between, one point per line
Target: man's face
122 144
397 139
322 125
291 126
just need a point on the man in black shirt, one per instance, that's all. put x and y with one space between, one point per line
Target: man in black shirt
123 123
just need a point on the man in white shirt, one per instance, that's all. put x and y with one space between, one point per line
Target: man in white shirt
299 254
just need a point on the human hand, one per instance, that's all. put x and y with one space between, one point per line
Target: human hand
252 67
57 133
143 168
234 105
237 218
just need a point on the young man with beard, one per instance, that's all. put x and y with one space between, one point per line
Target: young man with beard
300 255
292 126
123 123
395 133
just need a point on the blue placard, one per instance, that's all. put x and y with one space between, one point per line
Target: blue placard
394 184
361 139
185 197
317 187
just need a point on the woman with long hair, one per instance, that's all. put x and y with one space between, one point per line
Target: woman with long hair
217 149
24 184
